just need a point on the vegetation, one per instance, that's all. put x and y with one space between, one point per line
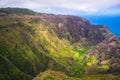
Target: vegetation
30 47
51 75
56 75
8 70
17 11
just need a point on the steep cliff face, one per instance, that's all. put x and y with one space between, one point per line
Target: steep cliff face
76 29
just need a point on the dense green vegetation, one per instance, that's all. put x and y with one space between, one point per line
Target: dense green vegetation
9 71
52 75
23 53
17 11
56 75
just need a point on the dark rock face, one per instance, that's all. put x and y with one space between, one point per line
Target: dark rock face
76 29
109 49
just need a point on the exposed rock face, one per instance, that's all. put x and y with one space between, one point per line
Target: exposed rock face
76 29
108 50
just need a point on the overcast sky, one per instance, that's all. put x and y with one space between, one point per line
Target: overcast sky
67 6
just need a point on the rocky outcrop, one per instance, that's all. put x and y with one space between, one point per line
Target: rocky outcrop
108 52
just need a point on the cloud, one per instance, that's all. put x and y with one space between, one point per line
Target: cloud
69 6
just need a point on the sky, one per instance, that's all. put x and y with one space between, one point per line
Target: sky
86 8
67 6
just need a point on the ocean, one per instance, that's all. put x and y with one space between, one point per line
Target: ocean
111 21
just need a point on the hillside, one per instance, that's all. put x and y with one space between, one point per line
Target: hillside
107 54
53 75
19 11
36 43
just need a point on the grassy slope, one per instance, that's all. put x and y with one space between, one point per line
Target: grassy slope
27 52
53 75
17 11
31 48
9 72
